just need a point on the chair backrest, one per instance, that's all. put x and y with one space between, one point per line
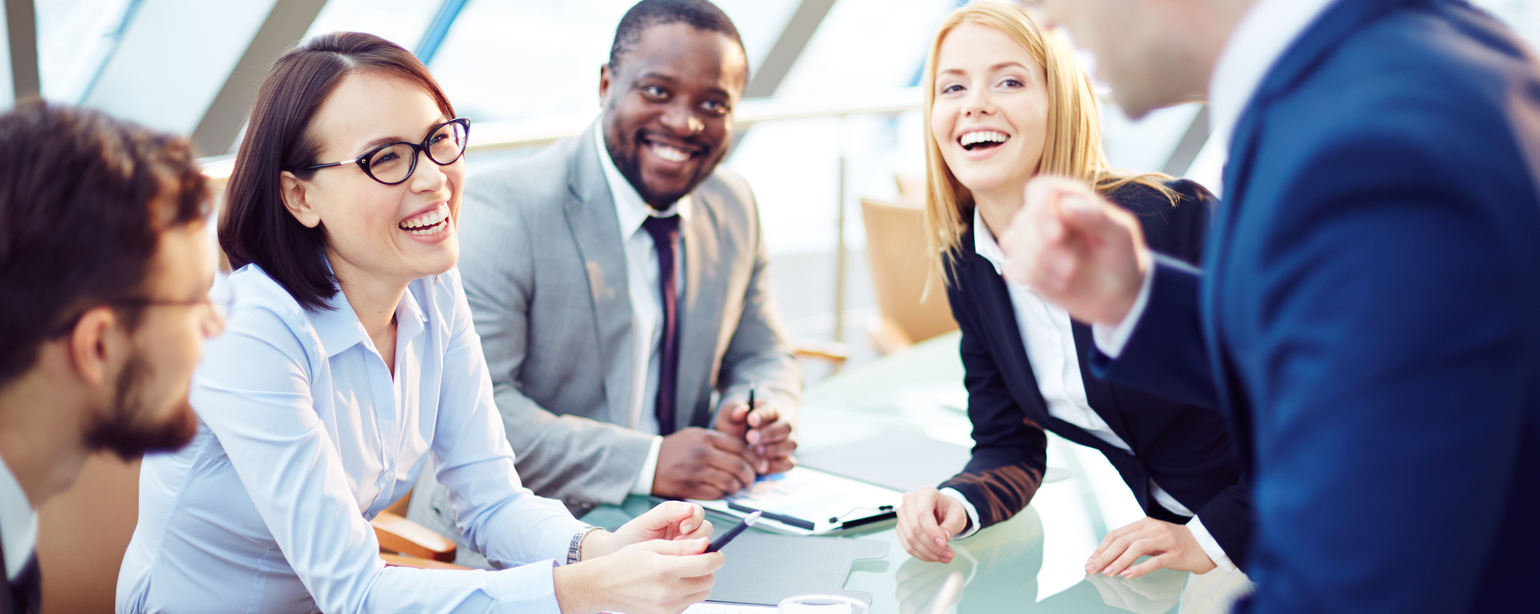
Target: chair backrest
895 246
83 533
910 186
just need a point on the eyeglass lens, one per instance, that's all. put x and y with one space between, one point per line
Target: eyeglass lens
394 164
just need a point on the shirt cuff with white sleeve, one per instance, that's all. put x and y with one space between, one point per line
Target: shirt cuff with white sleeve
1111 339
973 513
1210 547
643 485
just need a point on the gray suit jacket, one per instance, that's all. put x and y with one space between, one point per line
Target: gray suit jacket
545 273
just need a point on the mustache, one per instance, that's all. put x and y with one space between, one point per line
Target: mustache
695 144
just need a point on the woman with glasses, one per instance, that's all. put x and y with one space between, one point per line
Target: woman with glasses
1005 102
349 359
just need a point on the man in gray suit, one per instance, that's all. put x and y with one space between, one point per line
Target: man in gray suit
620 284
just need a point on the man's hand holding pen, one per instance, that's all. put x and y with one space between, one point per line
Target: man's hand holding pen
770 435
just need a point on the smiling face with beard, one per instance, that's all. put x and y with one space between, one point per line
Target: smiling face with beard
149 409
129 429
668 117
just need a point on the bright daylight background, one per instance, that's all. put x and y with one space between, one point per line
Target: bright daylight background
164 62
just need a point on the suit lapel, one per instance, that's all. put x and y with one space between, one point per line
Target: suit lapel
1098 392
705 269
590 211
995 305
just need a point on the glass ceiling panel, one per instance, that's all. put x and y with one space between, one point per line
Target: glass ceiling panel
862 46
866 45
75 39
505 60
402 22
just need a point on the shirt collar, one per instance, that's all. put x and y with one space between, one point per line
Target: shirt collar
339 329
1262 36
984 242
18 523
630 210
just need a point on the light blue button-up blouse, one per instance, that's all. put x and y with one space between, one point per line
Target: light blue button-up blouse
305 436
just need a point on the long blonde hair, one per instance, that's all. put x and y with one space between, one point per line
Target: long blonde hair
1072 142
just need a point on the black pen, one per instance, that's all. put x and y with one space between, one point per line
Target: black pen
721 541
751 406
781 518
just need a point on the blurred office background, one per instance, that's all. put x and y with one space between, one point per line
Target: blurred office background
831 117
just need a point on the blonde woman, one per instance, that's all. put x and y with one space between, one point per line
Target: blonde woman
1006 101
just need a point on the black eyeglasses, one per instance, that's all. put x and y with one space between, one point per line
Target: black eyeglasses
393 163
220 300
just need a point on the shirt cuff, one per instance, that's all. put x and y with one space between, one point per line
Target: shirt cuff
1210 547
526 588
643 485
1111 339
973 514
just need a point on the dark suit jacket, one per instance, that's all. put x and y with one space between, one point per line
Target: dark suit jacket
1368 312
1185 448
25 596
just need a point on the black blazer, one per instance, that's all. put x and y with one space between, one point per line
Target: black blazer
1185 448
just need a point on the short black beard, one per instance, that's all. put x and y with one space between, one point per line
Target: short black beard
123 432
630 166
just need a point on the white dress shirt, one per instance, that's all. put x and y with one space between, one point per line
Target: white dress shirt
1262 36
1049 340
18 523
304 436
646 301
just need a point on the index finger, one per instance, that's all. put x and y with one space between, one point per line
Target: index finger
1042 208
764 413
726 443
731 464
693 565
771 432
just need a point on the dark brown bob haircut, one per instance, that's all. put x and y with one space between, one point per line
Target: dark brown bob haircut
84 199
256 228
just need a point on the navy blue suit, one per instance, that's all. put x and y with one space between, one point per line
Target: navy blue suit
1186 449
1369 314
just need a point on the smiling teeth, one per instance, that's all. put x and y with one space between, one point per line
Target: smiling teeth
428 223
985 136
672 154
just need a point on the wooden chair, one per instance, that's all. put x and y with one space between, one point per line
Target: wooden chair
84 532
912 302
404 543
910 186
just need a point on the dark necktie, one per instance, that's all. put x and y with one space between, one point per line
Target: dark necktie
25 594
28 587
665 233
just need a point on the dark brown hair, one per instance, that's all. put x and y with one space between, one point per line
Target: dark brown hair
84 199
256 228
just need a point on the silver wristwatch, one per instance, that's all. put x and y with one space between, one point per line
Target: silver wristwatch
575 550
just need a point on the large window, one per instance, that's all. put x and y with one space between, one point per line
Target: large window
515 60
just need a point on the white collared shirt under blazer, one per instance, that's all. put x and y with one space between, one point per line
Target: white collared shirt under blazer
305 435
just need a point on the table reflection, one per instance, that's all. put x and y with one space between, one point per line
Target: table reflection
1000 567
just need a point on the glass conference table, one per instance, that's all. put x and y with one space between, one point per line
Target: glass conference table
901 422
